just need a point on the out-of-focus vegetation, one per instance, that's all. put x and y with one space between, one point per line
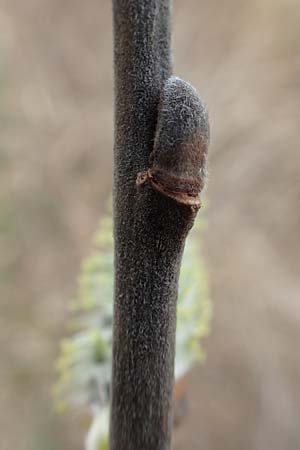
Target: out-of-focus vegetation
84 365
55 175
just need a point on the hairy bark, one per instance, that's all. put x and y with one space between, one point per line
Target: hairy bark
161 138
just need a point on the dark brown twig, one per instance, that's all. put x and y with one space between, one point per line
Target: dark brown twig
161 139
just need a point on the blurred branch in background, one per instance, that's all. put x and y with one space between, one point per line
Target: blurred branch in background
85 362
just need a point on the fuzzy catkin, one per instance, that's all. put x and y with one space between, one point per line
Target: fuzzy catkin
178 160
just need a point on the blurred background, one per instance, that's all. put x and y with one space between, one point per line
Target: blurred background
55 178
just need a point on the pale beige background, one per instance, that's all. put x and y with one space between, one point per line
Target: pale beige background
55 177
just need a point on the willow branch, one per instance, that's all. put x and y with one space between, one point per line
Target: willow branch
161 139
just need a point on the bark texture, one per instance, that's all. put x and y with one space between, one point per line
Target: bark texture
161 137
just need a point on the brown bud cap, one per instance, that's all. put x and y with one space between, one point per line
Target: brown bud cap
178 160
